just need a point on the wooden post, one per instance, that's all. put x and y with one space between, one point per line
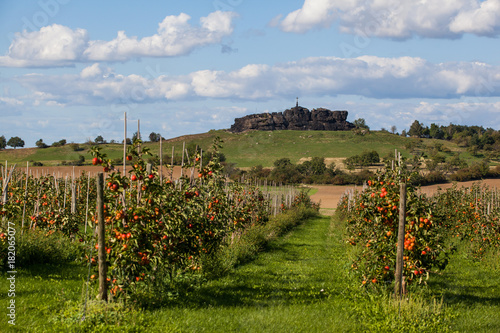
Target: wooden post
398 287
182 163
103 292
124 142
25 197
87 204
161 161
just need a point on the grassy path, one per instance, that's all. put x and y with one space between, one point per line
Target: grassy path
299 285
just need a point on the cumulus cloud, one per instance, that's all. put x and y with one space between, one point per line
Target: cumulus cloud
398 19
368 76
57 45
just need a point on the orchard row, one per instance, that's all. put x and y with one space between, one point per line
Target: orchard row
432 227
154 228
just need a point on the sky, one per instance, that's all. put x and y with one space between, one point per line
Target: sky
71 69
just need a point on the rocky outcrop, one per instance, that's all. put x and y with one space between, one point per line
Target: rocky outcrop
297 118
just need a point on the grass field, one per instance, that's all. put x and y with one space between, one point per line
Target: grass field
301 283
251 148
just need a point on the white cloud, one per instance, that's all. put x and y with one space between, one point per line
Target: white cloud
91 71
482 19
399 19
9 101
402 113
57 45
368 76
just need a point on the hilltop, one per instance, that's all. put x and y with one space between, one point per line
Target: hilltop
296 118
254 148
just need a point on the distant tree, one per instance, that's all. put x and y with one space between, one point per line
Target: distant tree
285 172
41 144
3 142
394 129
416 129
361 123
154 137
75 146
403 133
436 132
15 141
59 143
99 139
318 166
282 163
259 172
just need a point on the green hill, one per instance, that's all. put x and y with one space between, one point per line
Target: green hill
257 147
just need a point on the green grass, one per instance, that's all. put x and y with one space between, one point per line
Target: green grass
471 289
251 148
301 283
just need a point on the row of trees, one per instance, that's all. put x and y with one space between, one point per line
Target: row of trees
466 136
153 137
14 142
311 171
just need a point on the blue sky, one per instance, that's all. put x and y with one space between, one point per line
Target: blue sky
70 69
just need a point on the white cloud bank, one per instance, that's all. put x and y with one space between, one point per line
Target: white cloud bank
368 76
398 19
57 45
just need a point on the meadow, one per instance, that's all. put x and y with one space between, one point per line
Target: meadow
254 148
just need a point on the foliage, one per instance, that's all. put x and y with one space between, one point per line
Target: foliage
59 143
471 215
39 247
361 124
75 146
41 144
99 139
365 159
15 142
416 129
154 137
165 230
3 142
476 171
372 226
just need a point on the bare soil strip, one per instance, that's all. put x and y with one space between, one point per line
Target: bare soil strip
329 195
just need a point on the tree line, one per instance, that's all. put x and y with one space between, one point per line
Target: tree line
17 142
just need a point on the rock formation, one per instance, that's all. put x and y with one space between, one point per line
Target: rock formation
296 118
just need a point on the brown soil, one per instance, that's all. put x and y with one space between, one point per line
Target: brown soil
329 195
63 171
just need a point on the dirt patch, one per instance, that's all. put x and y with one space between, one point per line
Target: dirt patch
329 195
63 171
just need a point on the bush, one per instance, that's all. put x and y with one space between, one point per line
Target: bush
372 226
75 147
41 247
474 172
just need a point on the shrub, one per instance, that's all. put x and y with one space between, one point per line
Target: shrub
41 247
372 226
